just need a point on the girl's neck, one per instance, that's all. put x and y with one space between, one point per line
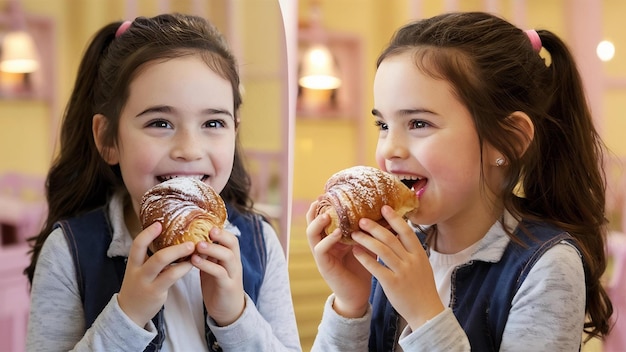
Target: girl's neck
457 234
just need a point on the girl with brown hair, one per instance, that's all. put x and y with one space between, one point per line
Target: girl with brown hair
502 152
155 99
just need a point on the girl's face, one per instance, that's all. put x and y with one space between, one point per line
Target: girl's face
178 121
427 134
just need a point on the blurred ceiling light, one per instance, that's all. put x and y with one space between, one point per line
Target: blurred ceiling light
19 54
605 50
318 68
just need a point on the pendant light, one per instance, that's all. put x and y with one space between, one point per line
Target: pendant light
318 67
19 52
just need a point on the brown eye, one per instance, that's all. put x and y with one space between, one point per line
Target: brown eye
381 125
418 124
215 124
159 124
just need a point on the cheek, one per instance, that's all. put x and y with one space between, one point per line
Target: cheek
380 161
226 159
226 153
137 165
379 156
141 158
455 177
223 159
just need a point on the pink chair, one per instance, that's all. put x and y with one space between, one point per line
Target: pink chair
14 298
616 289
22 207
22 213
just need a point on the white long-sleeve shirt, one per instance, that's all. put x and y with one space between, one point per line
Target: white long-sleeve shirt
56 321
547 313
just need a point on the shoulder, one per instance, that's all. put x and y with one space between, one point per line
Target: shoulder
557 275
562 262
54 266
55 247
554 295
541 242
272 243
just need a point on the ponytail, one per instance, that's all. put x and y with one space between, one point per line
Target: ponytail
564 180
79 179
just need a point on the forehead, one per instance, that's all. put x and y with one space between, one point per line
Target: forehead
183 79
399 77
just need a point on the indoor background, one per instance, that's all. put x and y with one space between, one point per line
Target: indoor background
315 132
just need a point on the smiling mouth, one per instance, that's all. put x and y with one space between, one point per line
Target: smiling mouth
171 177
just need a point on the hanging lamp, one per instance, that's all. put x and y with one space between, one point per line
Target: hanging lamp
318 67
19 52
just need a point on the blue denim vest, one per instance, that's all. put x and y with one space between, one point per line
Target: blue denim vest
100 277
482 292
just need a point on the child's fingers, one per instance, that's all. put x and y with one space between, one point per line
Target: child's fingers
312 212
368 260
209 265
223 251
139 248
315 229
171 273
160 260
325 244
404 232
224 238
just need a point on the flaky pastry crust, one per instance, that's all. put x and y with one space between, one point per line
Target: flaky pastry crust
186 207
360 192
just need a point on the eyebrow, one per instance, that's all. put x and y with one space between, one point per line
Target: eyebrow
405 112
169 109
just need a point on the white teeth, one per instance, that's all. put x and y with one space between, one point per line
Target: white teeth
408 177
170 177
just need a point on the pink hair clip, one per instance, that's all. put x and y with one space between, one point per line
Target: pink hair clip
534 39
123 27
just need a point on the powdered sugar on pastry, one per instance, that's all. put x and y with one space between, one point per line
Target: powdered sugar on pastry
186 207
360 192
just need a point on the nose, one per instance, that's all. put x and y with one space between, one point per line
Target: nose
393 146
186 145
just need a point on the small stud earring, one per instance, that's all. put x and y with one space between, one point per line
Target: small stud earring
499 161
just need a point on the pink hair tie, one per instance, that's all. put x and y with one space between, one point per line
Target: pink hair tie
123 27
534 39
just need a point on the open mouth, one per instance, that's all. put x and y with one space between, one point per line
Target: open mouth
164 178
416 184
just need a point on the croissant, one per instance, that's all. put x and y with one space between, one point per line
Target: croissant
186 207
360 192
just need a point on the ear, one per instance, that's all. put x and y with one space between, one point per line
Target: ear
524 129
108 153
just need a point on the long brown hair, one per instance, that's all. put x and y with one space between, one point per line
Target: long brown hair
494 70
79 179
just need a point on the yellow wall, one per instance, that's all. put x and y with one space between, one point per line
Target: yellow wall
24 137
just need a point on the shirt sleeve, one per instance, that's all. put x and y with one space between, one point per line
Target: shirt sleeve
441 333
548 311
271 324
337 333
56 321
